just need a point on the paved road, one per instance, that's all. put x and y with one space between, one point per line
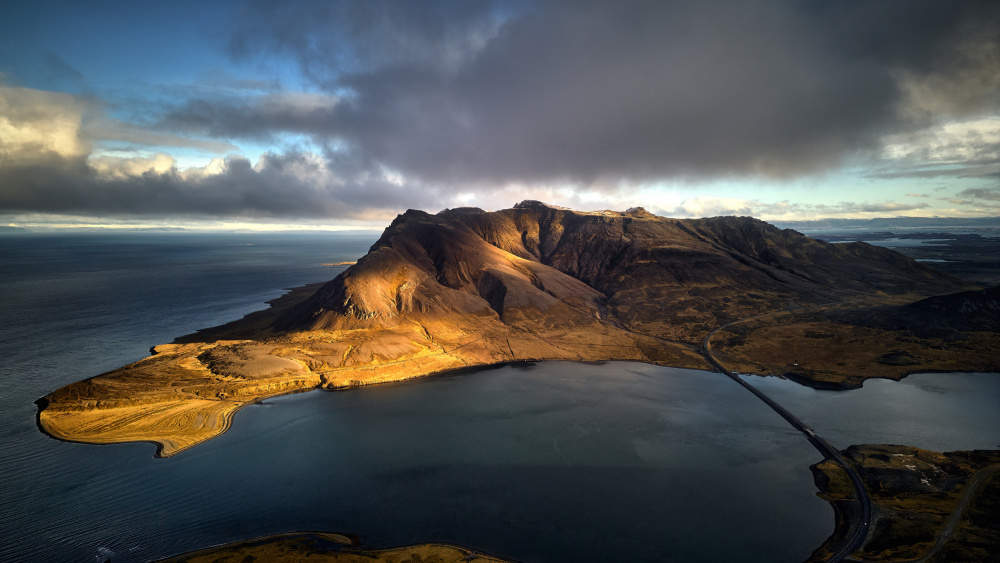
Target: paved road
824 447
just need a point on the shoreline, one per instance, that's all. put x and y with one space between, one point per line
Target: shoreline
475 346
435 296
231 413
441 360
913 519
799 379
843 521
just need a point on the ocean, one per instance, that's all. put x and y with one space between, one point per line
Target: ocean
535 462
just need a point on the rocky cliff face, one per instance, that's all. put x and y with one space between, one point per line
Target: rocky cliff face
631 267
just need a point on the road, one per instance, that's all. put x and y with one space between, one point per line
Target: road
824 447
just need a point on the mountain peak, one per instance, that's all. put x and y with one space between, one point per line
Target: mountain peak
535 204
638 212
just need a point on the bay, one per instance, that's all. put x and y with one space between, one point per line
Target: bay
934 411
539 462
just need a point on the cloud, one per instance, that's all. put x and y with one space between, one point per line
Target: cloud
59 70
255 117
707 206
586 91
47 166
121 168
963 78
440 102
105 129
35 125
987 194
883 207
329 39
961 149
290 185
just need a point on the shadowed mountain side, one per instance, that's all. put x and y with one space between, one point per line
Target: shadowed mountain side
467 287
949 316
254 325
839 348
965 311
424 268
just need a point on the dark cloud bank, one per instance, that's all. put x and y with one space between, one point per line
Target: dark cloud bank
479 94
280 186
582 90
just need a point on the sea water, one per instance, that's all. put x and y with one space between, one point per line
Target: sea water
536 462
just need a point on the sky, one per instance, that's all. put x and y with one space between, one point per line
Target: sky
342 114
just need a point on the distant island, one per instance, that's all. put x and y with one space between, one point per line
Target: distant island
467 287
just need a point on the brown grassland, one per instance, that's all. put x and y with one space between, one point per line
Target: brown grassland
929 506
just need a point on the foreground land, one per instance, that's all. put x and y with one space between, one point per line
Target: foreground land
929 506
472 288
327 548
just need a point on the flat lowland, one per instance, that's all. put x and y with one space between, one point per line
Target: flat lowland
466 287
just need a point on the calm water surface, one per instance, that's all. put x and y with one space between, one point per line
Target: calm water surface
543 462
934 411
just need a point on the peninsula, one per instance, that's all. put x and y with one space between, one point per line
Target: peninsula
467 287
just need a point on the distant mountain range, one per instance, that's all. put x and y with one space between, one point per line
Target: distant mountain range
892 222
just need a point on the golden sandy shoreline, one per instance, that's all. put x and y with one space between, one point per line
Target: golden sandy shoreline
188 393
180 424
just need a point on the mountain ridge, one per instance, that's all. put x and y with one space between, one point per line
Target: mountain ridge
533 253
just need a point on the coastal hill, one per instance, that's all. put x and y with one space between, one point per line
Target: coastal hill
675 278
467 287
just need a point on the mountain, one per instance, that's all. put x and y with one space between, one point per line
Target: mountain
467 287
676 278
